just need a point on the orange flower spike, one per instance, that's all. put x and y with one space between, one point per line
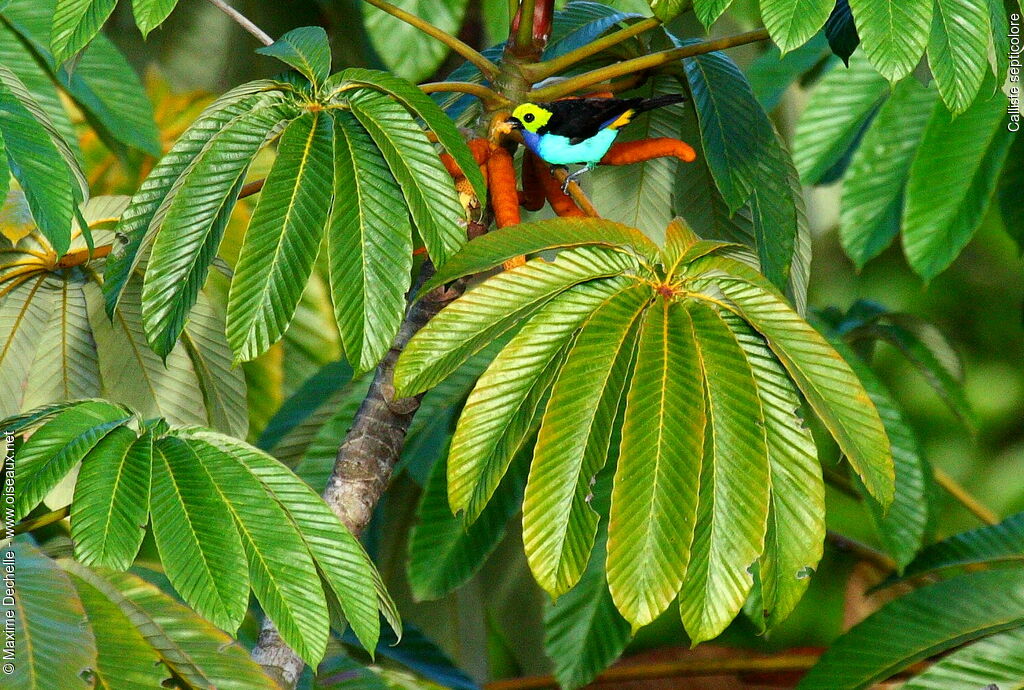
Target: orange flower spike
532 197
481 150
629 152
561 203
451 166
501 183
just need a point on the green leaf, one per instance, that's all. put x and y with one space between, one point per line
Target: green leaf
710 10
873 189
917 626
734 128
424 107
654 498
772 73
150 14
826 380
499 413
487 251
281 571
666 10
841 107
1010 184
39 168
346 569
405 50
583 631
306 49
223 385
559 525
640 195
773 208
139 223
283 238
952 181
444 552
427 186
191 220
996 660
51 645
796 511
903 524
492 307
66 364
135 375
194 649
732 512
792 23
58 446
203 557
894 33
369 245
989 545
24 315
111 503
75 23
124 659
958 50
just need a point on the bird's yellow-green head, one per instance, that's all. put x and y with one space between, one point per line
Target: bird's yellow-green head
529 116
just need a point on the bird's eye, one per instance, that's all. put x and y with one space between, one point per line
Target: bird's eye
528 117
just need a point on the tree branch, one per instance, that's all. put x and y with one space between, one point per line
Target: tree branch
542 70
578 83
488 68
782 663
964 498
862 551
43 520
365 459
243 21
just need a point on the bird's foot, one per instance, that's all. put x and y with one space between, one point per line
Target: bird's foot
573 178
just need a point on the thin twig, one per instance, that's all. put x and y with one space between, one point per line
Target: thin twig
862 551
254 187
43 520
783 663
543 70
489 69
243 22
489 97
619 69
964 498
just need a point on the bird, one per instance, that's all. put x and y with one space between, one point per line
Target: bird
579 130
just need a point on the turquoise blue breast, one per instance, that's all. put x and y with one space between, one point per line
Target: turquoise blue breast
557 150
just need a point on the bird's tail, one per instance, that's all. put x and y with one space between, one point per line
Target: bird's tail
659 102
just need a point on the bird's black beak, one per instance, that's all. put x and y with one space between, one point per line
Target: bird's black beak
514 123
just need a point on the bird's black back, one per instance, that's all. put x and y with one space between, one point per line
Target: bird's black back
582 118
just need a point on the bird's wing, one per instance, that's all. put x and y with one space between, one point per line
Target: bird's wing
581 118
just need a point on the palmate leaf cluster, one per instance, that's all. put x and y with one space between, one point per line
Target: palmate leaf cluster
686 345
82 626
56 342
226 518
908 166
354 171
40 148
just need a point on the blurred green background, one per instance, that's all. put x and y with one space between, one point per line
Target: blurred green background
492 626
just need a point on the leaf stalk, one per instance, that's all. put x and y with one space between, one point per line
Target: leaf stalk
645 62
243 21
488 68
542 70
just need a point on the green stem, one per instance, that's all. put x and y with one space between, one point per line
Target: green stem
488 68
543 70
490 98
524 34
964 498
881 561
646 62
43 520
